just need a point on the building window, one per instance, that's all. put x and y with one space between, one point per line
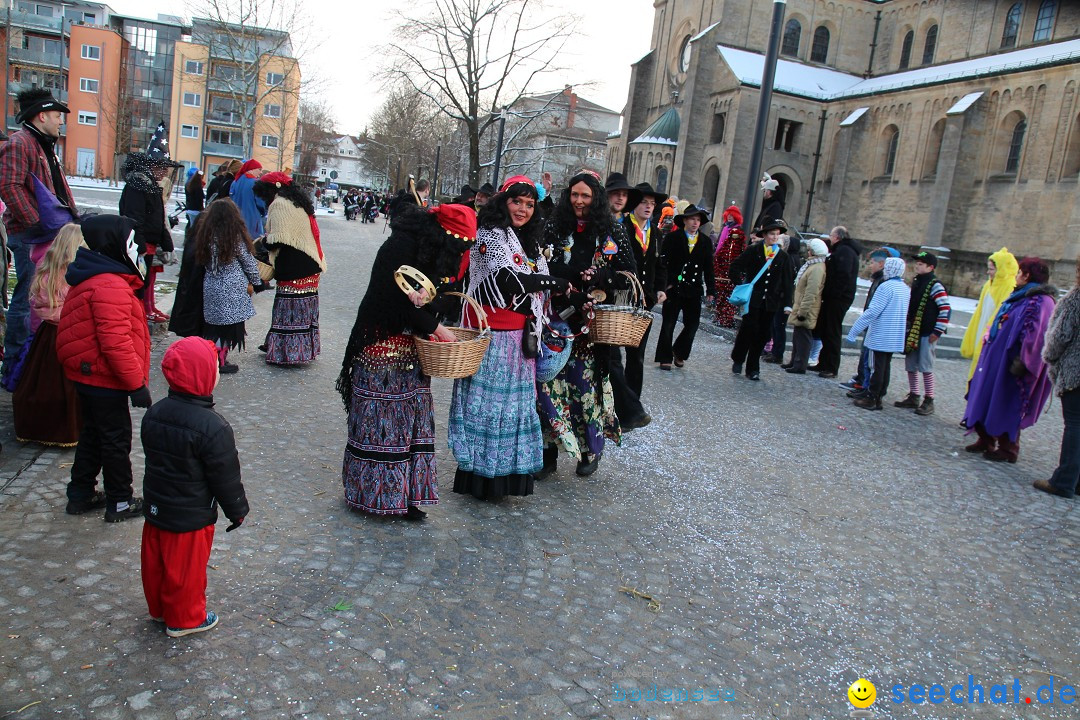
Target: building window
1044 22
661 179
785 134
43 10
1016 146
933 149
193 99
792 35
271 111
1012 25
225 137
226 72
193 67
91 52
87 118
89 18
1072 153
88 85
930 46
819 51
189 131
269 141
891 143
905 50
273 78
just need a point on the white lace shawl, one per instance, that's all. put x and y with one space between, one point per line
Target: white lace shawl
498 248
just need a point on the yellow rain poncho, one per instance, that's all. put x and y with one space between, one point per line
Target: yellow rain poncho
994 291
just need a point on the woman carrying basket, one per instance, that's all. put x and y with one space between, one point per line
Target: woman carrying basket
389 464
588 248
494 429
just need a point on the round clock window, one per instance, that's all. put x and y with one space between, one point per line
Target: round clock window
684 59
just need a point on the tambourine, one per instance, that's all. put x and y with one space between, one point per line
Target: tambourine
409 279
597 295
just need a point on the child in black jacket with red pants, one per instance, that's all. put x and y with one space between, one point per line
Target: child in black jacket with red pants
191 468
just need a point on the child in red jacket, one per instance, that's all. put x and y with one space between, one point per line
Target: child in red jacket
191 468
103 343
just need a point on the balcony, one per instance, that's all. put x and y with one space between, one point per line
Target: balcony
19 56
21 19
230 87
17 87
217 117
223 150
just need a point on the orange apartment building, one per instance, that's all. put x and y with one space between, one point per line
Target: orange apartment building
95 85
120 75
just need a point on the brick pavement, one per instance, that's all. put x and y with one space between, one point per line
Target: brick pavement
793 543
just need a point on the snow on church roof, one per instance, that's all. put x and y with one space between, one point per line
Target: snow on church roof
797 78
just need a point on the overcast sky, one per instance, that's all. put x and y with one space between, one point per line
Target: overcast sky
612 35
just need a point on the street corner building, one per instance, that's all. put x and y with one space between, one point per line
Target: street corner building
944 124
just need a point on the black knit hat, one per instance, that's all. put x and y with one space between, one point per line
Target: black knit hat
37 100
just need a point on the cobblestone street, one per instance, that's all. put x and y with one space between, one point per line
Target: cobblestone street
788 543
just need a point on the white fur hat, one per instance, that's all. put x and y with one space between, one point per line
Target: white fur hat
768 183
818 247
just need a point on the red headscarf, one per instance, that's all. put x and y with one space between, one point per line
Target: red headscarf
250 165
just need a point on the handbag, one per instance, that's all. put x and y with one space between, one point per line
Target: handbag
556 342
740 296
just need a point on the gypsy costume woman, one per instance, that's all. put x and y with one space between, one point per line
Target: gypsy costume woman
389 462
729 246
577 407
292 237
494 429
1012 383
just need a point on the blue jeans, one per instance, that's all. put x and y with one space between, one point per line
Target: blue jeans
1067 475
18 314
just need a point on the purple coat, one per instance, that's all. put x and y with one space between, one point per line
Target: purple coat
1001 401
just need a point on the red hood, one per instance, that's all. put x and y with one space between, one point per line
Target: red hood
190 366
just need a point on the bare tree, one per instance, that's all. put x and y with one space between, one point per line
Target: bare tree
404 133
314 133
474 57
252 54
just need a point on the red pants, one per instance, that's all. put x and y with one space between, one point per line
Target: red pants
174 574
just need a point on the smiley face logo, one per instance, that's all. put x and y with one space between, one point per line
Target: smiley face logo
862 693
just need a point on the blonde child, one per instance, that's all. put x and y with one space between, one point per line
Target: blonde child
45 404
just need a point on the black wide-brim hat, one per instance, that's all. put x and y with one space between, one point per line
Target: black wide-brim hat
768 224
487 188
617 181
690 211
37 100
645 189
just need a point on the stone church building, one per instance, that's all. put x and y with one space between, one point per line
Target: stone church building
938 123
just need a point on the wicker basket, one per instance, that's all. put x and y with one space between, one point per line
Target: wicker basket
622 324
266 270
456 359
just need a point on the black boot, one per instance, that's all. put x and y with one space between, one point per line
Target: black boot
551 461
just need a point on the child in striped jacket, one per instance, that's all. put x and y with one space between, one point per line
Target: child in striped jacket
927 320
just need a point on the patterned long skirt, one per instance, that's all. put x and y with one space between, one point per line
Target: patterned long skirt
494 429
293 338
577 407
390 457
